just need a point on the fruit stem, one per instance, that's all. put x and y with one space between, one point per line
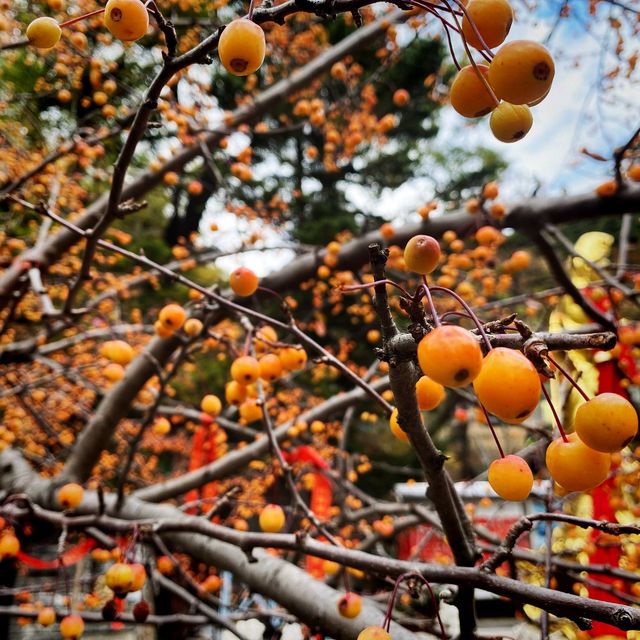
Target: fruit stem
432 307
486 47
368 285
71 21
251 8
482 79
386 624
445 23
471 313
555 413
568 376
247 343
493 431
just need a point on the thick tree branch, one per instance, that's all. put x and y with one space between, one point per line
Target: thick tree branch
313 602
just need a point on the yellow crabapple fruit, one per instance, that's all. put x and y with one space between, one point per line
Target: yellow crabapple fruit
71 627
395 427
469 96
422 254
511 478
127 20
521 71
46 616
350 605
70 495
575 466
606 423
272 518
9 546
211 404
450 355
119 578
508 385
43 33
242 47
429 393
172 316
510 122
373 633
243 282
492 18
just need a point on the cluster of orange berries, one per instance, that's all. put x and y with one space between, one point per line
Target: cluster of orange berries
120 353
508 385
519 75
127 20
271 363
172 318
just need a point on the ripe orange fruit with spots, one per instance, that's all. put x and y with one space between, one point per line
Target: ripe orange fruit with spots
242 47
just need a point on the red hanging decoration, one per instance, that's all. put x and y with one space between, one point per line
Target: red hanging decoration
203 452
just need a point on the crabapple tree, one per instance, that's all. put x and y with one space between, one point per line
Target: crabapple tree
186 443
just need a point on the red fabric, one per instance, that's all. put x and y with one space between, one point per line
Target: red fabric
70 557
609 380
203 451
321 495
305 453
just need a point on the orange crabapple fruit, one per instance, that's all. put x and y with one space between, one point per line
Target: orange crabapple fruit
211 584
172 316
193 327
510 122
469 96
139 576
161 426
70 495
293 358
373 633
272 518
119 578
487 236
161 330
511 478
245 370
450 355
508 385
9 546
242 47
422 254
211 404
43 33
575 466
164 565
270 367
429 393
243 282
127 20
46 616
606 423
395 427
250 411
521 72
350 605
117 351
492 18
234 392
401 97
519 260
113 372
71 627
